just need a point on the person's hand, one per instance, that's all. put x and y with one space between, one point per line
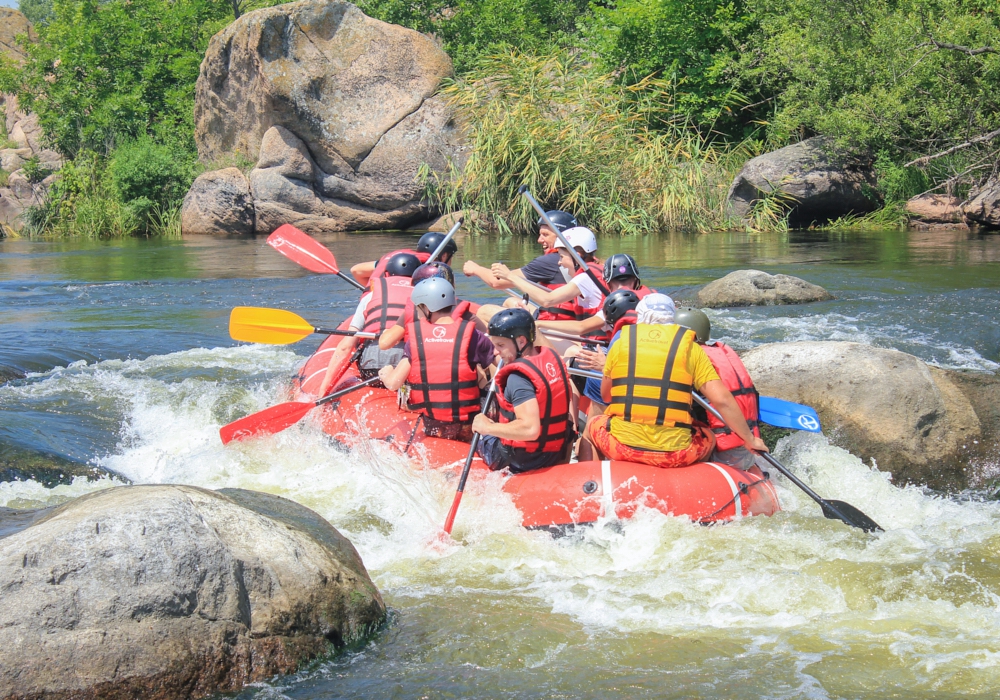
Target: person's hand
469 268
758 445
591 359
500 271
481 424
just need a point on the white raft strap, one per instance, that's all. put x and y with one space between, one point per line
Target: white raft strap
736 491
607 490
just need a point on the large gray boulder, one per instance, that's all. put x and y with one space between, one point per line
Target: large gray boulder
337 109
219 202
812 178
174 592
983 206
877 403
757 288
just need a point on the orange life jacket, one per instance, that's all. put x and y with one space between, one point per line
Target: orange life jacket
548 376
443 385
736 378
389 297
572 310
384 260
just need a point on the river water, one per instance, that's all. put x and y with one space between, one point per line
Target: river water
122 361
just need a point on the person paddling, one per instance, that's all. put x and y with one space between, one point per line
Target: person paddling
443 365
544 269
650 373
365 272
578 298
536 398
375 312
729 447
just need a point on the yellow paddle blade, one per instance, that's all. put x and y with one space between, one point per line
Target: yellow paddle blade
272 326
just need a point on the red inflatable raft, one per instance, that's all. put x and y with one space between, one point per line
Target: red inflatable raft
557 497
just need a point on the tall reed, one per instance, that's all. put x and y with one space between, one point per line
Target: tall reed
614 155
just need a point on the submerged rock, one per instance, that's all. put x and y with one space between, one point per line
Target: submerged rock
756 288
50 470
174 592
813 180
337 108
877 403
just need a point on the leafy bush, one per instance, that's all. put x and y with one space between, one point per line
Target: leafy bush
581 142
148 173
38 12
34 170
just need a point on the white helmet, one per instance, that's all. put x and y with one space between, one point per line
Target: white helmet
435 293
579 237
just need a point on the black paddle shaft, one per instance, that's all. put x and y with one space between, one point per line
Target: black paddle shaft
834 510
354 387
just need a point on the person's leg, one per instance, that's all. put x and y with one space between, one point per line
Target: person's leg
739 457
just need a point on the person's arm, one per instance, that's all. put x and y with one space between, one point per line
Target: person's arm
345 347
526 426
723 402
390 338
542 297
395 377
473 269
362 272
589 325
606 391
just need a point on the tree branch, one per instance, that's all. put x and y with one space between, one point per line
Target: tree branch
939 45
924 160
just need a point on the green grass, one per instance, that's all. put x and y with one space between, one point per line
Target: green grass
612 154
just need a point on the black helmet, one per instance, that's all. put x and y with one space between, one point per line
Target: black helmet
513 323
435 268
402 265
617 303
620 265
430 241
696 320
561 219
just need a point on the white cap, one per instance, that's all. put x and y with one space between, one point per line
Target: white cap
579 237
656 309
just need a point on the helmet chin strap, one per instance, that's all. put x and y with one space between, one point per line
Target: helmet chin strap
520 349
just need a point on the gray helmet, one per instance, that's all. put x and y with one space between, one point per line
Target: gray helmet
434 293
696 320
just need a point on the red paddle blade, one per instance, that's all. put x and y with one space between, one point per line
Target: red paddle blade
301 248
267 422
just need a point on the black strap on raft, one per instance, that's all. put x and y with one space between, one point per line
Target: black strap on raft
413 433
454 404
662 403
743 488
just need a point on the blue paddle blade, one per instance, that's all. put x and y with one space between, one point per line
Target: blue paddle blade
785 414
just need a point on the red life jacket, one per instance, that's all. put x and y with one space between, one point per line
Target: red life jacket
643 291
443 385
736 378
548 376
572 310
384 260
629 318
389 297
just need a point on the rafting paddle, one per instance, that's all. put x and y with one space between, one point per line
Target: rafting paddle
451 234
523 189
277 418
450 520
253 324
785 414
834 510
307 252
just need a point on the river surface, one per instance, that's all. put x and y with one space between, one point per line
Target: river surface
121 360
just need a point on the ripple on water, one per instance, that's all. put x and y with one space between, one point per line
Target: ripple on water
789 606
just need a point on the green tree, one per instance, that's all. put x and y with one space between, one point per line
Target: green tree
38 12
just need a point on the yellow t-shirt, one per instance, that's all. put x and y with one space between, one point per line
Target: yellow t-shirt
658 437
